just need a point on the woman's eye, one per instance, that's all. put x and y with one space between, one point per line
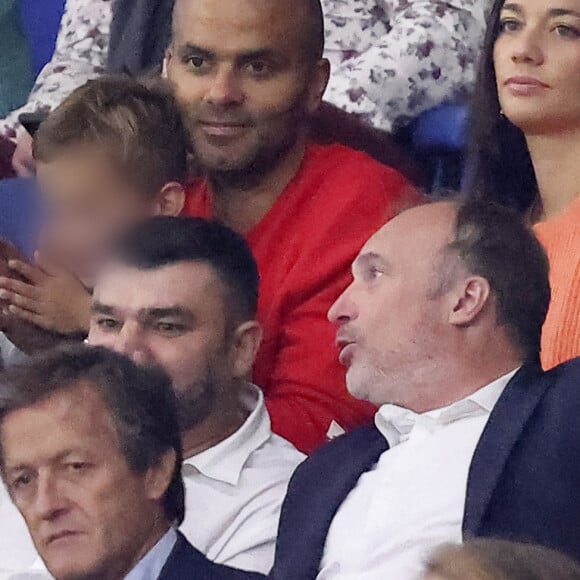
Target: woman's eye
566 31
509 25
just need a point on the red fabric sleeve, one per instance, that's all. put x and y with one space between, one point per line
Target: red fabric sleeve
307 390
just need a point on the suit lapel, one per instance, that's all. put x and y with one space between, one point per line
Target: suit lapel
184 562
317 490
504 428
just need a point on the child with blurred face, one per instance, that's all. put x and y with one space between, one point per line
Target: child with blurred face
114 153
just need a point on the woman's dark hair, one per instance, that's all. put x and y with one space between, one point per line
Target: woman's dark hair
141 402
485 559
499 167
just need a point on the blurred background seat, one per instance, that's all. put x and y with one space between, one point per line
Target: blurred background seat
438 138
40 21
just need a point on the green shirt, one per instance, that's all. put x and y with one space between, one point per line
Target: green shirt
15 70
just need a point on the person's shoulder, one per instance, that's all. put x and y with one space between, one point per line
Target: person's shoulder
565 381
345 192
346 160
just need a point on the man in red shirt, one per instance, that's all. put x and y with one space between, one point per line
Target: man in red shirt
249 74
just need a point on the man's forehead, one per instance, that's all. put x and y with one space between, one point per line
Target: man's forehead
132 291
246 25
428 227
74 407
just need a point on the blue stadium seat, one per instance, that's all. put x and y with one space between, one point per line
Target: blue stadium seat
439 138
19 213
40 21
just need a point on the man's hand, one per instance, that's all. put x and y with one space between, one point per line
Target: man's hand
51 298
22 160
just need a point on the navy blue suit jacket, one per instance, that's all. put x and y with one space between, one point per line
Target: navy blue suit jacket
524 479
187 563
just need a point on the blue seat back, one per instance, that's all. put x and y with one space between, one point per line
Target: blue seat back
439 138
40 21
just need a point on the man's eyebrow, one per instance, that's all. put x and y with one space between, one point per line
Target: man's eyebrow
100 308
169 312
367 258
260 54
189 49
11 469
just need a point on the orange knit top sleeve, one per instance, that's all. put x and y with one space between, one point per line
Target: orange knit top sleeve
561 238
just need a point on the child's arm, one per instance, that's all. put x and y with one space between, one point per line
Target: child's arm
50 298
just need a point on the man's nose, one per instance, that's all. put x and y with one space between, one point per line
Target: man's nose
50 502
225 88
343 310
129 341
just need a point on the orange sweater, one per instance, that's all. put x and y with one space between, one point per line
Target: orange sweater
561 238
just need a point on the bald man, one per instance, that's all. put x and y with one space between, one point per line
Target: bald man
249 75
441 329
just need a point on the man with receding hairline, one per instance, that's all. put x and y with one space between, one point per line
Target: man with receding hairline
441 328
249 75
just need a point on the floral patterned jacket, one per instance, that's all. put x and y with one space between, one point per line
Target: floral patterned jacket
80 54
393 59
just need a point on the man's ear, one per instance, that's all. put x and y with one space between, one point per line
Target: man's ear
158 477
170 200
469 301
318 84
245 345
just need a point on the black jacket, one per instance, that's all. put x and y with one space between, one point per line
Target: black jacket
187 563
524 479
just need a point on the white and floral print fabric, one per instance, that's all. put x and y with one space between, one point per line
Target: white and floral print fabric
80 54
394 59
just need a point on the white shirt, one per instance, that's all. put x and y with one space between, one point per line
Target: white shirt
18 557
234 491
413 499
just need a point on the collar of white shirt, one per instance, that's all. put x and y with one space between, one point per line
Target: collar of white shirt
396 423
224 462
150 566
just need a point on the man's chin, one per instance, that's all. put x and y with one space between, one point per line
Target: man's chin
356 384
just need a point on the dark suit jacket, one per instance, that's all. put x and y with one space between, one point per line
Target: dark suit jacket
524 479
187 563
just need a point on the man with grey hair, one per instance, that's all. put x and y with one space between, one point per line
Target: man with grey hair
90 452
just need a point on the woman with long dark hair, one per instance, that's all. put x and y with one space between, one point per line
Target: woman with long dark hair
525 144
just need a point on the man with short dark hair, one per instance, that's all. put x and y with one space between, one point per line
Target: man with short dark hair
250 74
90 453
181 294
441 329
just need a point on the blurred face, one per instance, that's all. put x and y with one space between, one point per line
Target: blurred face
240 72
392 318
88 513
172 317
88 203
537 63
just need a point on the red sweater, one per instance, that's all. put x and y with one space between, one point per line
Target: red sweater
304 247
